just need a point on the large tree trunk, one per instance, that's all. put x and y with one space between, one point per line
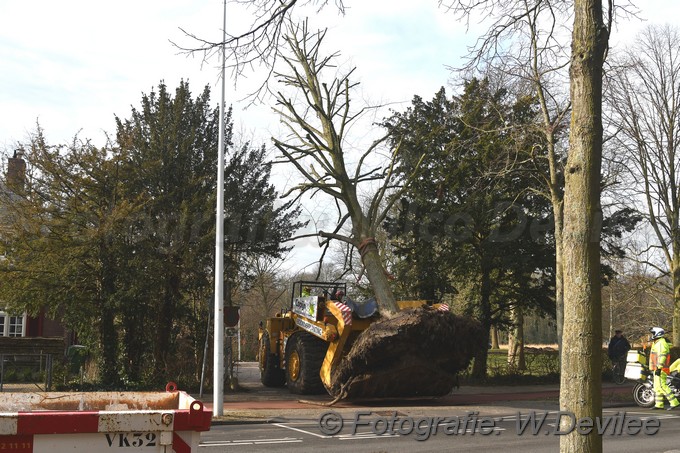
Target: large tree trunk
107 325
559 273
516 359
133 344
375 271
479 367
580 391
675 272
109 345
370 254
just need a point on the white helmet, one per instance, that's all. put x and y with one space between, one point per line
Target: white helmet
657 332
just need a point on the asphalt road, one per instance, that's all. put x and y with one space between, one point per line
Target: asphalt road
525 427
516 419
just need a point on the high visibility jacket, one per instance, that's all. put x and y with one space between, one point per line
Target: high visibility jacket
675 366
660 355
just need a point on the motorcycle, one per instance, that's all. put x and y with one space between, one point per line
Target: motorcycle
643 392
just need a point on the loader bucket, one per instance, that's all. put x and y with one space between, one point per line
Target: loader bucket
416 353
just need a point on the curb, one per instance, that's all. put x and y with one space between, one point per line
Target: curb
456 400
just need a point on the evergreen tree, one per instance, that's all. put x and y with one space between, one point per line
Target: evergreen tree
61 252
170 150
471 219
118 242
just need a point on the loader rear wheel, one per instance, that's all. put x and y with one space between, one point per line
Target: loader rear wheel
271 374
304 357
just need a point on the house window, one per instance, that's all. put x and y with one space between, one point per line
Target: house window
12 326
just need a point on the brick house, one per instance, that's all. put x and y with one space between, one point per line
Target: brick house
14 325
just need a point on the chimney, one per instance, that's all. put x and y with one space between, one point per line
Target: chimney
16 171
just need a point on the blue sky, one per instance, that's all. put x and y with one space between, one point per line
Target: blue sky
72 65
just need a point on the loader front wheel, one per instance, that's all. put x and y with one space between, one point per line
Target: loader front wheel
304 357
271 374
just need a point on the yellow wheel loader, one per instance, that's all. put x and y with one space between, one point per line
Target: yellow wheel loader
302 347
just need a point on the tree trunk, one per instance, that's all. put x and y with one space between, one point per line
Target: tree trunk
559 273
516 358
165 321
133 344
109 341
580 390
107 326
375 271
479 367
675 272
494 338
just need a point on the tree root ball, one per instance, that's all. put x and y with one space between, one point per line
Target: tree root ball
416 353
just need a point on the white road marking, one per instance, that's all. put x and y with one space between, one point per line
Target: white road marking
321 436
365 436
232 443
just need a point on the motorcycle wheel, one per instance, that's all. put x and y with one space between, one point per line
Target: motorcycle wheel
643 395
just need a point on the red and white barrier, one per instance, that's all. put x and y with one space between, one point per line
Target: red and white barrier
134 422
346 312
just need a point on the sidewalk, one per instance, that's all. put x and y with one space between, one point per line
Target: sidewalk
256 403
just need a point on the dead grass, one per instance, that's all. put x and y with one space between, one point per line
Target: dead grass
546 346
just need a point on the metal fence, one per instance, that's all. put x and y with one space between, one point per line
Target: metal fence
26 372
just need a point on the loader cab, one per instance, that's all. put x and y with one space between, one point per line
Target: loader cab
325 290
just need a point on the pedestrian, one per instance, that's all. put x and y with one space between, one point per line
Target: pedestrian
659 361
617 350
618 347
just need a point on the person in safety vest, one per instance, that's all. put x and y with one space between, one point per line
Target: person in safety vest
659 361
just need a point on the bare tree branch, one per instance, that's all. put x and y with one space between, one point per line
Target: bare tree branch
318 118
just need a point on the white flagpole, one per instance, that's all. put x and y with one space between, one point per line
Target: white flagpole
218 368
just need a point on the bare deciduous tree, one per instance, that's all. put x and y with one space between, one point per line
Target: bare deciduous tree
540 62
268 290
537 57
260 44
636 299
581 363
645 104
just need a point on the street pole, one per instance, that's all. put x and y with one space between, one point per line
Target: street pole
205 356
238 338
218 348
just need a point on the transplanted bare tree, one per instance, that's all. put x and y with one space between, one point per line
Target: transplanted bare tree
391 357
318 117
645 104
